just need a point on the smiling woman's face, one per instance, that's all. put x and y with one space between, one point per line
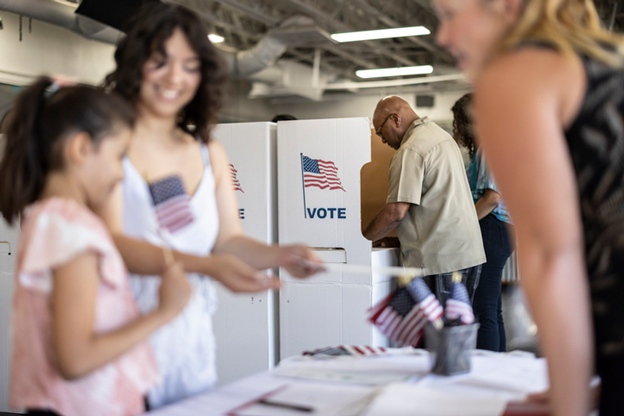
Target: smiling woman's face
471 31
170 82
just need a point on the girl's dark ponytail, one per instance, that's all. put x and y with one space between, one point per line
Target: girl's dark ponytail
35 131
25 163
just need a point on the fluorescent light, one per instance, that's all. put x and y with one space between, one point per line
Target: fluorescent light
398 32
394 72
215 38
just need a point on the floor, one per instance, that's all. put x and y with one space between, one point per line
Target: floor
519 326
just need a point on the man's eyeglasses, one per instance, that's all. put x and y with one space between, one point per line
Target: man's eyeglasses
378 132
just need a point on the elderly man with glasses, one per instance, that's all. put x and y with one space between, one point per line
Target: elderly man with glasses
429 200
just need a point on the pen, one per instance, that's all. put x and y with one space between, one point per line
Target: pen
300 408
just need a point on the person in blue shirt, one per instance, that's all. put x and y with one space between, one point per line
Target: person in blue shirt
495 230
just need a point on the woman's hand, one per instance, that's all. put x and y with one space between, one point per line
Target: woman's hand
175 290
299 260
237 276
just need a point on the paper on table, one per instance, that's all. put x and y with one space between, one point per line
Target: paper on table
371 370
504 372
320 399
415 400
345 376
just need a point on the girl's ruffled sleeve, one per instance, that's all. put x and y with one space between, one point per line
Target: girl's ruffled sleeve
55 240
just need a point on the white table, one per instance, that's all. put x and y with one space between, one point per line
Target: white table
510 375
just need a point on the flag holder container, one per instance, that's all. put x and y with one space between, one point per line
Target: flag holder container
451 348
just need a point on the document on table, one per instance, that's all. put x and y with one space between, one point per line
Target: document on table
372 370
503 372
416 400
309 399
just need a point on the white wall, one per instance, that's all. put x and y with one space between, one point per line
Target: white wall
50 50
238 108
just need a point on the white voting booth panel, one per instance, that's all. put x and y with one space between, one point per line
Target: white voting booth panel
319 163
9 237
245 324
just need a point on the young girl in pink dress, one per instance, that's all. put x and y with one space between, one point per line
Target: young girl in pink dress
78 338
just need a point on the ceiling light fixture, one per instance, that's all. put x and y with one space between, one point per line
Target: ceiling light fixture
397 32
394 72
215 38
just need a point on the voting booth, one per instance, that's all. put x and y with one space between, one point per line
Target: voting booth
244 324
319 163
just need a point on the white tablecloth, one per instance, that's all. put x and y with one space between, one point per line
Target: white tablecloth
493 375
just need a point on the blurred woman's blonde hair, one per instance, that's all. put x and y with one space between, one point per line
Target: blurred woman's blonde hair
571 26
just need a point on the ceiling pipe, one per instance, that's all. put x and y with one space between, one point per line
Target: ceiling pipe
62 13
255 59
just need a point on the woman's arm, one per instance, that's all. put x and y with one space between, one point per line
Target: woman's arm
78 349
487 203
145 258
298 259
522 102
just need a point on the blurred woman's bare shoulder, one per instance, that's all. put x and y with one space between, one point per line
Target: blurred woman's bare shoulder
532 75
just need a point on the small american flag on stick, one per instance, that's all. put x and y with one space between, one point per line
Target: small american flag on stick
427 301
320 173
458 305
402 316
235 181
172 203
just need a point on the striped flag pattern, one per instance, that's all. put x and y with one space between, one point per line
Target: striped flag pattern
428 302
347 350
458 305
171 203
321 174
235 181
402 315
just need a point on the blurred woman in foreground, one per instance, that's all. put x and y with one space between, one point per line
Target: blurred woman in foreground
549 108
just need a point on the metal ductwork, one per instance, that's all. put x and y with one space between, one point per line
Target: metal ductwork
62 13
251 61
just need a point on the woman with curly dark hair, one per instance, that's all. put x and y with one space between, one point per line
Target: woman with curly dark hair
177 192
494 222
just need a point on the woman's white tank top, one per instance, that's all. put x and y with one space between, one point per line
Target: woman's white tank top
185 347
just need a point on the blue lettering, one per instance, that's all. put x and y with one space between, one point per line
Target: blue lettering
241 213
334 213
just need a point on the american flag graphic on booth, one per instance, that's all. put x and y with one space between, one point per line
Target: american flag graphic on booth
235 181
458 305
171 203
402 316
320 173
